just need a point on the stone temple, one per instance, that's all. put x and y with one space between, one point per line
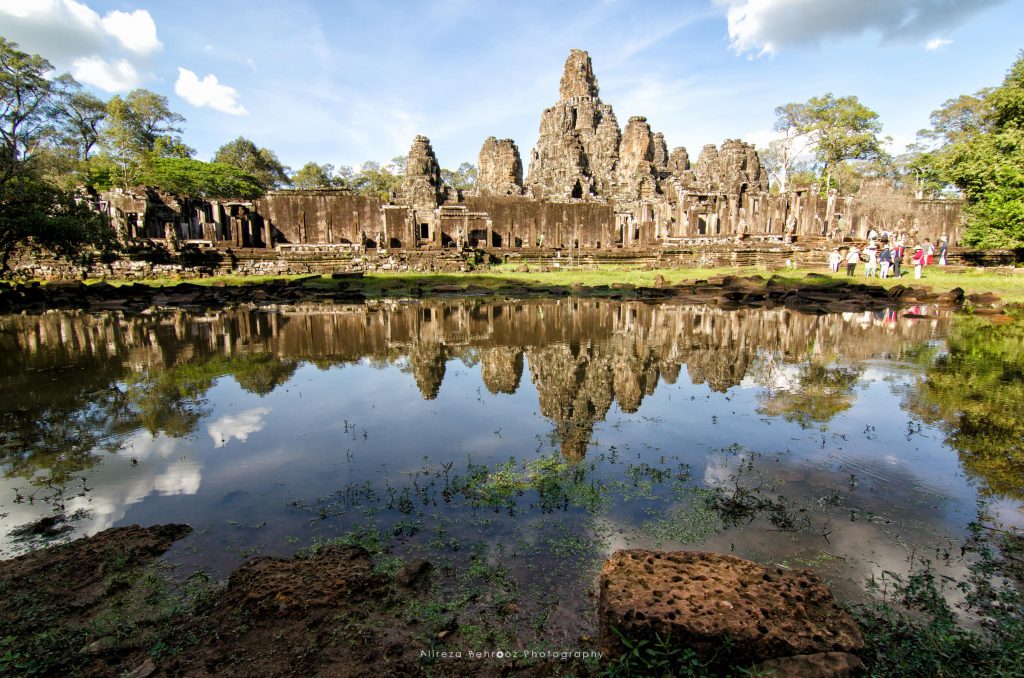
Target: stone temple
591 187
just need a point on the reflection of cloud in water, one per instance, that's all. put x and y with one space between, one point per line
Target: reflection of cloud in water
892 524
114 484
721 468
237 426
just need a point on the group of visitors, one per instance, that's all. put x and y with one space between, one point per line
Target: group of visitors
883 260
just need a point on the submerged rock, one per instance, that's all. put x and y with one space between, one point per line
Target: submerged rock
726 609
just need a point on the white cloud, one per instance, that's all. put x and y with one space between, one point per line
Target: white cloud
766 26
60 30
237 426
107 51
937 44
136 31
207 92
109 76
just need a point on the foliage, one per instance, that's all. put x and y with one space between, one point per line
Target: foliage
821 392
975 392
976 142
261 163
462 179
913 630
376 181
35 215
81 115
780 156
662 657
990 170
138 128
313 176
198 179
26 100
839 129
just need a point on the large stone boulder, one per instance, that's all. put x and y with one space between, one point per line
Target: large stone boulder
731 610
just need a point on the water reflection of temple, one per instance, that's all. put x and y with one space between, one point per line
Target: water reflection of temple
582 355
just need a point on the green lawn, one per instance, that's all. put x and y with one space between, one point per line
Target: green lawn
1007 284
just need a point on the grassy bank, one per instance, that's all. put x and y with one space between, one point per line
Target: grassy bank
1006 284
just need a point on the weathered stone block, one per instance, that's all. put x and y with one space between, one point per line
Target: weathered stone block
700 600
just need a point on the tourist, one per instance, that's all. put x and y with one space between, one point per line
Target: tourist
871 267
897 259
852 257
943 249
929 252
872 235
884 262
834 259
918 260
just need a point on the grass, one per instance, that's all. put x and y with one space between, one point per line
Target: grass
1006 283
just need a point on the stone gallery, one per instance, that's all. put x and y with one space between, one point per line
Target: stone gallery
592 186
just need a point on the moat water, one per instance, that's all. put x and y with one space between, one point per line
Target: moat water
539 436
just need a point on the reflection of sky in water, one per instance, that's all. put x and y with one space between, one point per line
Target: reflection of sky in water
238 477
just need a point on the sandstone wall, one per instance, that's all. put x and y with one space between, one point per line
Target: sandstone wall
521 222
320 216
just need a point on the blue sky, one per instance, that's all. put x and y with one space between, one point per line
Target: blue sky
345 82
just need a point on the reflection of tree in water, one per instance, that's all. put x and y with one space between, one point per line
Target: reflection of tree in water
153 371
427 359
172 401
975 392
58 414
54 428
819 393
501 368
575 389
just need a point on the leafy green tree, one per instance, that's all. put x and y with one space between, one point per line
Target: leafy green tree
26 102
81 115
261 163
36 215
463 178
138 128
984 157
376 181
197 179
838 129
312 176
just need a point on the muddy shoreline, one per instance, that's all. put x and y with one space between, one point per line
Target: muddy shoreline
100 606
815 294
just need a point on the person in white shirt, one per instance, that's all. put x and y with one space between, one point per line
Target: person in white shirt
852 257
871 267
834 259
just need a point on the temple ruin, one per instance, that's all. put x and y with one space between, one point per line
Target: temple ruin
592 187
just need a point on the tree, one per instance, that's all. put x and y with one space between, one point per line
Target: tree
261 163
197 179
781 154
838 129
81 115
36 215
376 181
313 176
462 179
138 128
26 98
976 143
